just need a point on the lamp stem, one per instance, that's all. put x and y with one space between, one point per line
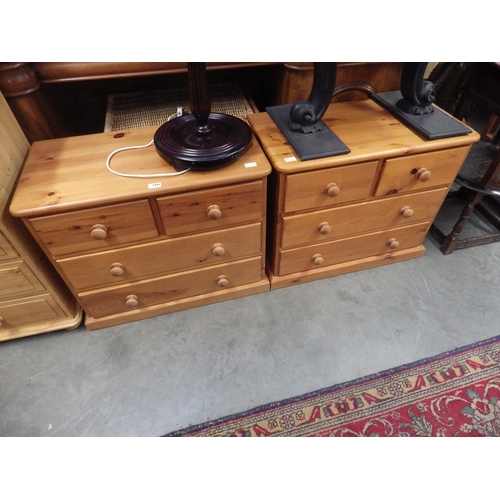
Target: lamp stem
199 97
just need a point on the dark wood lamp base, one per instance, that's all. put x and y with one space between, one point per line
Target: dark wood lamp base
182 144
203 139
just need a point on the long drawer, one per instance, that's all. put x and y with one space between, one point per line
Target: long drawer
422 171
360 218
97 228
348 249
165 289
162 257
327 187
29 310
18 280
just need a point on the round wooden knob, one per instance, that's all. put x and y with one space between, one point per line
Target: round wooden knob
218 249
117 269
423 175
214 212
1 321
393 243
317 259
332 190
406 212
324 228
99 232
222 281
131 301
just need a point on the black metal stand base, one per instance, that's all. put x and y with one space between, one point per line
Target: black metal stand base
307 146
182 143
436 125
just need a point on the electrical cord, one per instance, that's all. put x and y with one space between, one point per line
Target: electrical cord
143 176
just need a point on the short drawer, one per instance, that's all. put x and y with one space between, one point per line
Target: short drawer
328 187
17 280
167 256
212 208
7 251
422 171
345 250
334 223
161 290
96 228
28 311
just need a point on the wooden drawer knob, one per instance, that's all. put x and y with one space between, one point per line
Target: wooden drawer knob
222 281
324 228
393 243
423 175
117 269
99 232
332 190
218 249
214 212
1 321
131 301
406 212
317 259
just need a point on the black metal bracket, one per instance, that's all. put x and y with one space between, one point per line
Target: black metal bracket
414 107
301 122
418 94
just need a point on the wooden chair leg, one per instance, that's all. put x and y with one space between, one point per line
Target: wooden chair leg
450 242
490 129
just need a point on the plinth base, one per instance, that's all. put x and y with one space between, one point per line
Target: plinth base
307 146
183 145
436 125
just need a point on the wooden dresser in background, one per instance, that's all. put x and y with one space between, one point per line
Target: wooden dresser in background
33 298
131 248
370 207
61 99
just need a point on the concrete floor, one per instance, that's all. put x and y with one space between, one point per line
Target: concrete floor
155 376
159 375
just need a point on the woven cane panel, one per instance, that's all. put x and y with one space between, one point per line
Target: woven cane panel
143 109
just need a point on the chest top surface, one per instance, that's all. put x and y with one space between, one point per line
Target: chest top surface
368 130
70 173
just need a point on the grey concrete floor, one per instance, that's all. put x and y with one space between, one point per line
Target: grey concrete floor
158 375
162 374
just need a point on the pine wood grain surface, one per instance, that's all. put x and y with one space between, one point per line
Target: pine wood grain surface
71 174
369 131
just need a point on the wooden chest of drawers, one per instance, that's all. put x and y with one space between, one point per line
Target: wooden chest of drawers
33 298
132 248
370 207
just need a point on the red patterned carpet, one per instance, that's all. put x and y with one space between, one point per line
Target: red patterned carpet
454 394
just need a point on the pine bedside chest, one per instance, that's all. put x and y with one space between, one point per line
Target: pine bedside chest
33 298
370 207
131 248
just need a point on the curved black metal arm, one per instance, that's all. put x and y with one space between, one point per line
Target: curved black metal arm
305 116
418 94
301 123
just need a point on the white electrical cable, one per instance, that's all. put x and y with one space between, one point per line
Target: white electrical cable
143 176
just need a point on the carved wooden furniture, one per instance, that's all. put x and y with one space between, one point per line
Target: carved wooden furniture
370 207
480 177
132 248
479 182
353 80
33 299
61 99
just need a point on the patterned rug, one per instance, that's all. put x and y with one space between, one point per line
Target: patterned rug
454 394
